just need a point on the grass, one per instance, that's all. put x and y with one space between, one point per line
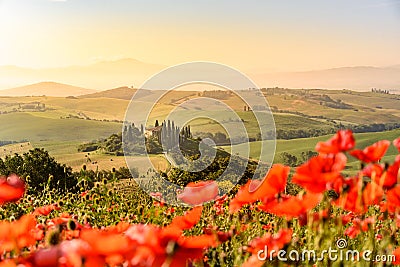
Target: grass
19 148
364 111
61 137
296 146
95 108
67 153
107 204
29 126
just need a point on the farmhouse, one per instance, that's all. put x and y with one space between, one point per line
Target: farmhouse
153 131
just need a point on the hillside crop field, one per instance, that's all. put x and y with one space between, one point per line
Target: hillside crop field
297 146
61 124
114 223
29 126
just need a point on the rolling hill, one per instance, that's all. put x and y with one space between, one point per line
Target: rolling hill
61 124
296 146
355 78
46 88
124 93
100 75
128 71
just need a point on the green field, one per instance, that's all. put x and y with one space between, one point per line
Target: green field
31 127
65 123
296 146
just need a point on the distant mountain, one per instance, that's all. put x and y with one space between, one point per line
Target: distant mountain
119 93
106 74
131 72
355 78
46 88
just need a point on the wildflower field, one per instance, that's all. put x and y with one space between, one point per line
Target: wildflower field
257 224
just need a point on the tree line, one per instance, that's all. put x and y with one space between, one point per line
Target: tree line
314 132
42 173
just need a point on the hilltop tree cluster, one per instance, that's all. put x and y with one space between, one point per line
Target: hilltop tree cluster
216 94
166 134
169 135
380 91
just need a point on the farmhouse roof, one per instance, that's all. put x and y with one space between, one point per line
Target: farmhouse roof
154 129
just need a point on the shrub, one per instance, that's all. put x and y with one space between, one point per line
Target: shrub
40 170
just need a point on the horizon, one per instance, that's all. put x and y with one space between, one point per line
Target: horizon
167 66
130 72
183 88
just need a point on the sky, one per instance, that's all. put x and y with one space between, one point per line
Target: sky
253 34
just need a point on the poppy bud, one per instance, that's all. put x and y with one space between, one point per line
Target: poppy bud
387 165
53 237
140 209
71 225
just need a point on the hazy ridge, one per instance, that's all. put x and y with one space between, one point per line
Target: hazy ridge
131 72
48 89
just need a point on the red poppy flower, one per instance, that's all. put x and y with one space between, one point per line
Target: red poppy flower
320 172
12 188
396 143
358 226
200 192
175 229
188 220
393 173
393 199
342 141
45 210
372 153
155 246
68 253
272 241
390 177
292 206
8 263
396 254
201 241
372 170
346 218
104 243
186 250
17 234
386 179
141 235
356 198
273 183
267 244
119 228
